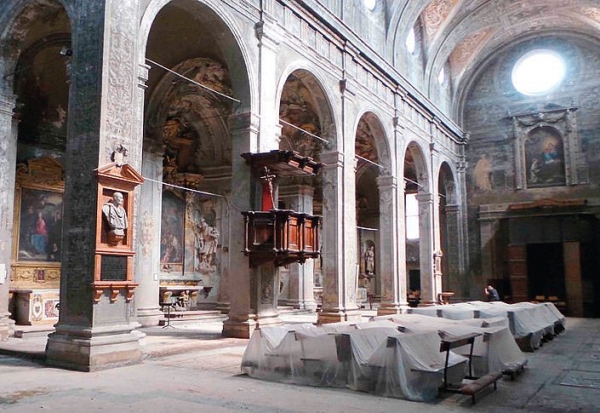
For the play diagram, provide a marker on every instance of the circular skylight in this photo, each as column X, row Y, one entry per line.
column 538, row 72
column 370, row 4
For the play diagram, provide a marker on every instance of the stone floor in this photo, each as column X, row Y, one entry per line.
column 191, row 368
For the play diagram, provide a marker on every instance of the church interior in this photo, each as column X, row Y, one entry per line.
column 237, row 159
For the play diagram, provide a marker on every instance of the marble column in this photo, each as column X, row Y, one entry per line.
column 301, row 276
column 426, row 248
column 393, row 288
column 92, row 335
column 8, row 157
column 148, row 241
column 340, row 272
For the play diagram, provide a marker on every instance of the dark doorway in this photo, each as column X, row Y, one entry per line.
column 546, row 271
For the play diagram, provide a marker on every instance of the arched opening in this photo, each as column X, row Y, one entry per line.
column 197, row 87
column 367, row 211
column 306, row 126
column 34, row 166
column 418, row 223
column 450, row 222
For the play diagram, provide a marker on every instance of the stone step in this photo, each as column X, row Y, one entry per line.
column 193, row 315
column 33, row 331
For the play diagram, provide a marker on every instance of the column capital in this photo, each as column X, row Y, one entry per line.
column 425, row 197
column 332, row 160
column 387, row 182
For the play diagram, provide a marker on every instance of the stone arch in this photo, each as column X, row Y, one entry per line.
column 320, row 98
column 15, row 22
column 235, row 52
column 416, row 161
column 191, row 138
column 34, row 98
column 375, row 213
column 450, row 223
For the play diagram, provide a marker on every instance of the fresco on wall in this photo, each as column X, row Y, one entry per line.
column 296, row 108
column 544, row 158
column 482, row 172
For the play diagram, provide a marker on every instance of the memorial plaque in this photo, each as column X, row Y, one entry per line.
column 113, row 268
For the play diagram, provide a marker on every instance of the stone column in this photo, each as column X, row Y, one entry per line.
column 241, row 291
column 393, row 289
column 301, row 276
column 426, row 248
column 94, row 335
column 340, row 273
column 147, row 250
column 8, row 158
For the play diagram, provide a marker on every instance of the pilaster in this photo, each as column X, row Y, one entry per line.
column 240, row 282
column 340, row 273
column 426, row 249
column 8, row 156
column 147, row 249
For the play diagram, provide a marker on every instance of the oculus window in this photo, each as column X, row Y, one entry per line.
column 370, row 4
column 538, row 72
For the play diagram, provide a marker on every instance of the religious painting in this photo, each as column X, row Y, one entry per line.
column 544, row 158
column 172, row 233
column 40, row 226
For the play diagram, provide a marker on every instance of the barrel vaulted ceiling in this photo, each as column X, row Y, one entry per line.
column 464, row 33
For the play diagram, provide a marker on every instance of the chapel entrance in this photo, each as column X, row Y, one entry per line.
column 546, row 271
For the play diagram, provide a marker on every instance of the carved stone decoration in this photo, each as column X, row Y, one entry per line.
column 548, row 149
column 147, row 235
column 120, row 93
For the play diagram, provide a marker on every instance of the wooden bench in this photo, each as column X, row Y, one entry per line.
column 476, row 386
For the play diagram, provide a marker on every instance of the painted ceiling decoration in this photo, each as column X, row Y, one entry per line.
column 467, row 32
column 191, row 121
column 297, row 108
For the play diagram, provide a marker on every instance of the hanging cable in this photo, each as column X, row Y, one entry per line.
column 369, row 161
column 367, row 228
column 192, row 81
column 184, row 188
column 305, row 131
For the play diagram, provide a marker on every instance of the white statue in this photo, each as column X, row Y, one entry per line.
column 116, row 217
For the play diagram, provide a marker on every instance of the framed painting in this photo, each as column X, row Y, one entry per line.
column 172, row 233
column 39, row 225
column 544, row 158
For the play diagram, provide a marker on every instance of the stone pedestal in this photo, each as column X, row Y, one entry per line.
column 93, row 349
